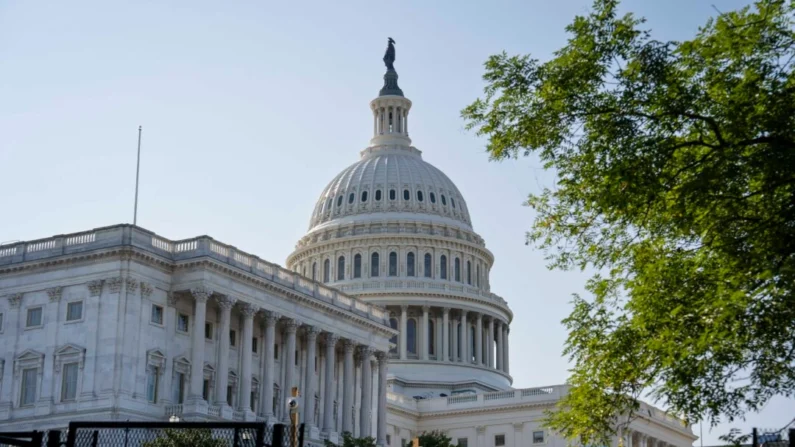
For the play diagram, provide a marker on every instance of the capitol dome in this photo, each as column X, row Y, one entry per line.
column 393, row 230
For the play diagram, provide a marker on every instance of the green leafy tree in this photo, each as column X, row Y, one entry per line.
column 348, row 440
column 676, row 183
column 435, row 439
column 199, row 437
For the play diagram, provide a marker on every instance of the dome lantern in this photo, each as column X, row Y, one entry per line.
column 390, row 108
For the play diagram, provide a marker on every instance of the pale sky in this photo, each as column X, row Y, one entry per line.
column 249, row 108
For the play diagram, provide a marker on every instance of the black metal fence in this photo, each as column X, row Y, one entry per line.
column 160, row 434
column 773, row 438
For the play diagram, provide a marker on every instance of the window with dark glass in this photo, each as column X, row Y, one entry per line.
column 357, row 266
column 339, row 201
column 469, row 273
column 444, row 201
column 419, row 196
column 499, row 440
column 477, row 276
column 328, row 203
column 406, row 194
column 538, row 437
column 364, row 196
column 378, row 195
column 433, row 198
column 374, row 265
column 452, row 202
column 457, row 268
column 392, row 194
column 314, row 271
column 341, row 268
column 351, row 196
column 428, row 265
column 411, row 336
column 393, row 323
column 410, row 264
column 326, row 271
column 431, row 337
column 443, row 267
column 393, row 264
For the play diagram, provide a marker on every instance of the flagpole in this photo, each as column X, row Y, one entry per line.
column 137, row 170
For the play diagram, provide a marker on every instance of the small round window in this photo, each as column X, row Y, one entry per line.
column 378, row 195
column 406, row 194
column 339, row 201
column 352, row 196
column 420, row 198
column 433, row 198
column 444, row 200
column 364, row 196
column 452, row 202
column 392, row 194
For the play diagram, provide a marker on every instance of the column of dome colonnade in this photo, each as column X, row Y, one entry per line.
column 436, row 333
column 238, row 398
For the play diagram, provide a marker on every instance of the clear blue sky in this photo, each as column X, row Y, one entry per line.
column 249, row 108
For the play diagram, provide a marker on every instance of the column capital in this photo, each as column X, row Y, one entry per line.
column 248, row 310
column 201, row 293
column 225, row 302
column 404, row 308
column 382, row 357
column 349, row 345
column 518, row 426
column 271, row 318
column 290, row 325
column 312, row 332
column 479, row 316
column 426, row 309
column 446, row 310
column 55, row 293
column 366, row 351
column 331, row 338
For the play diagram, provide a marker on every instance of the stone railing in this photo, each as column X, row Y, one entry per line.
column 202, row 246
column 419, row 285
column 173, row 410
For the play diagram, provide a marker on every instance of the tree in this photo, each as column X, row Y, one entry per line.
column 349, row 441
column 676, row 184
column 435, row 438
column 199, row 437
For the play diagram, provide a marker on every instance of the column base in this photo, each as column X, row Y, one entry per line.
column 332, row 437
column 313, row 433
column 249, row 416
column 227, row 412
column 195, row 406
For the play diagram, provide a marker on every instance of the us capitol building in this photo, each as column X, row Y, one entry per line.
column 384, row 319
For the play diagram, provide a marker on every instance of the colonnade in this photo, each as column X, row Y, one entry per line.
column 439, row 333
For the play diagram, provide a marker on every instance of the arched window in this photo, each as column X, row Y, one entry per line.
column 411, row 336
column 374, row 265
column 419, row 196
column 444, row 201
column 428, row 265
column 303, row 270
column 477, row 275
column 410, row 264
column 469, row 273
column 433, row 198
column 457, row 268
column 443, row 267
column 393, row 264
column 314, row 271
column 452, row 202
column 406, row 194
column 471, row 352
column 341, row 268
column 378, row 195
column 326, row 271
column 339, row 201
column 392, row 194
column 351, row 196
column 357, row 266
column 431, row 337
column 364, row 196
column 393, row 323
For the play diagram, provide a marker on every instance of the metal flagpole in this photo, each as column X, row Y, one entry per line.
column 137, row 170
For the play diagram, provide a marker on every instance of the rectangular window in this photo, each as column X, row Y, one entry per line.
column 296, row 357
column 182, row 322
column 463, row 442
column 499, row 440
column 232, row 341
column 1, row 322
column 208, row 331
column 29, row 378
column 229, row 395
column 179, row 388
column 152, row 377
column 254, row 345
column 34, row 317
column 388, row 439
column 538, row 437
column 206, row 390
column 74, row 311
column 276, row 351
column 157, row 314
column 69, row 382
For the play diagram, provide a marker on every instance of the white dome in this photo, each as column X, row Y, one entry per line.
column 390, row 182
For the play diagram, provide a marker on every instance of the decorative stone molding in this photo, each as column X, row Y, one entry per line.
column 349, row 345
column 248, row 310
column 518, row 426
column 171, row 299
column 225, row 301
column 146, row 289
column 95, row 287
column 69, row 353
column 55, row 293
column 15, row 300
column 290, row 325
column 132, row 285
column 481, row 429
column 312, row 332
column 156, row 359
column 381, row 356
column 366, row 351
column 28, row 359
column 182, row 365
column 201, row 293
column 209, row 374
column 115, row 284
column 271, row 318
column 331, row 339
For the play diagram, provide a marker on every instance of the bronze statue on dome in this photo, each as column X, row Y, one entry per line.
column 389, row 57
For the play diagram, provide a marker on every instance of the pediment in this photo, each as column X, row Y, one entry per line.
column 209, row 368
column 69, row 349
column 29, row 354
column 155, row 353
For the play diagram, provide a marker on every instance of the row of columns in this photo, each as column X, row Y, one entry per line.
column 290, row 328
column 493, row 329
column 634, row 438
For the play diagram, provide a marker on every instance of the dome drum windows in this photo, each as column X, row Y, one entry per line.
column 378, row 195
column 428, row 265
column 444, row 200
column 457, row 269
column 326, row 271
column 443, row 267
column 374, row 265
column 341, row 268
column 339, row 201
column 420, row 197
column 433, row 197
column 351, row 197
column 392, row 194
column 406, row 195
column 393, row 269
column 410, row 264
column 357, row 266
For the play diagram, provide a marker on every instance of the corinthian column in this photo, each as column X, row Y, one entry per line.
column 367, row 392
column 490, row 343
column 499, row 345
column 423, row 338
column 479, row 340
column 347, row 387
column 506, row 362
column 309, row 381
column 270, row 340
column 200, row 296
column 290, row 327
column 225, row 303
column 328, row 397
column 248, row 310
column 382, row 371
column 404, row 312
column 464, row 338
column 445, row 334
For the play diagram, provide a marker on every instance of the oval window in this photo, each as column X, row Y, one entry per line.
column 351, row 196
column 419, row 196
column 406, row 194
column 452, row 202
column 444, row 201
column 378, row 195
column 433, row 198
column 339, row 201
column 364, row 196
column 392, row 194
